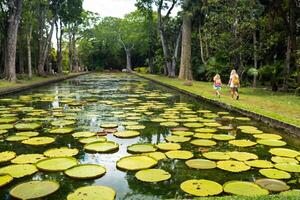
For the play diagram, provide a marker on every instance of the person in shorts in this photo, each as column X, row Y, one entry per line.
column 234, row 84
column 217, row 85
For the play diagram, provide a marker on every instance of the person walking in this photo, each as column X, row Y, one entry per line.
column 234, row 84
column 217, row 85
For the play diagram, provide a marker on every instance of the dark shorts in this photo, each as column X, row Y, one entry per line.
column 235, row 89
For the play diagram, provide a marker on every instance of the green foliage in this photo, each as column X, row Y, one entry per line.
column 142, row 70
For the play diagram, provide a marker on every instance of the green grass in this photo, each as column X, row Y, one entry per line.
column 270, row 197
column 280, row 106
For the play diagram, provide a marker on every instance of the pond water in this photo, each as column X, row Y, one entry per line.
column 96, row 99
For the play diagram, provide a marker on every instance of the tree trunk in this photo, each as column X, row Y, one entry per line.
column 128, row 59
column 44, row 51
column 168, row 63
column 176, row 54
column 254, row 58
column 287, row 64
column 75, row 58
column 201, row 47
column 29, row 36
column 59, row 47
column 186, row 50
column 21, row 58
column 15, row 10
column 70, row 52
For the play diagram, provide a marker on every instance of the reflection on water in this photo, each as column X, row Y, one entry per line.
column 117, row 89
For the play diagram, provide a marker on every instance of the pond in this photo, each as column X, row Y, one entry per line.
column 105, row 103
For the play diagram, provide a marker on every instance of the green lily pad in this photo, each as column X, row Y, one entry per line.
column 101, row 147
column 27, row 126
column 169, row 124
column 288, row 167
column 275, row 174
column 183, row 133
column 5, row 179
column 175, row 138
column 109, row 125
column 19, row 170
column 242, row 156
column 127, row 134
column 135, row 127
column 141, row 148
column 136, row 162
column 244, row 188
column 232, row 166
column 205, row 130
column 61, row 152
column 259, row 163
column 179, row 154
column 28, row 134
column 28, row 159
column 3, row 131
column 223, row 137
column 36, row 141
column 61, row 131
column 6, row 126
column 56, row 164
column 7, row 156
column 243, row 118
column 193, row 125
column 284, row 152
column 15, row 138
column 156, row 155
column 8, row 120
column 201, row 164
column 242, row 143
column 93, row 139
column 292, row 193
column 63, row 122
column 168, row 146
column 203, row 135
column 268, row 136
column 201, row 188
column 252, row 131
column 271, row 142
column 272, row 185
column 41, row 189
column 152, row 175
column 216, row 156
column 83, row 134
column 203, row 143
column 93, row 192
column 85, row 171
column 278, row 159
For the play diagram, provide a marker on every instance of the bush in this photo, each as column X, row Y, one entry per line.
column 142, row 70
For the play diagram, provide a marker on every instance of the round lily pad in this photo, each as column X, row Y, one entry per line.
column 242, row 143
column 56, row 164
column 284, row 152
column 7, row 156
column 251, row 131
column 201, row 188
column 203, row 135
column 206, row 130
column 83, row 134
column 223, row 137
column 63, row 122
column 152, row 175
column 141, row 148
column 28, row 134
column 129, row 123
column 135, row 127
column 36, row 141
column 6, row 126
column 15, row 138
column 201, row 164
column 275, row 174
column 156, row 155
column 136, row 162
column 92, row 139
column 203, row 143
column 61, row 152
column 61, row 131
column 169, row 124
column 41, row 189
column 244, row 188
column 85, row 171
column 175, row 138
column 193, row 125
column 259, row 163
column 3, row 131
column 272, row 185
column 268, row 136
column 288, row 167
column 242, row 156
column 183, row 133
column 109, row 125
column 27, row 126
column 19, row 170
column 292, row 193
column 127, row 134
column 168, row 146
column 5, row 179
column 279, row 159
column 216, row 156
column 271, row 142
column 179, row 154
column 28, row 159
column 101, row 147
column 212, row 124
column 232, row 166
column 93, row 192
column 8, row 120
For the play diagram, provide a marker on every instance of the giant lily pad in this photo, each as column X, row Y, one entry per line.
column 223, row 137
column 204, row 135
column 83, row 134
column 61, row 152
column 56, row 164
column 169, row 124
column 36, row 141
column 63, row 122
column 101, row 147
column 201, row 164
column 92, row 193
column 28, row 158
column 206, row 130
column 204, row 143
column 28, row 134
column 275, row 174
column 92, row 139
column 5, row 179
column 242, row 143
column 152, row 175
column 127, row 134
column 19, row 171
column 193, row 125
column 269, row 136
column 232, row 166
column 179, row 154
column 271, row 142
column 85, row 171
column 175, row 138
column 141, row 148
column 34, row 189
column 251, row 131
column 6, row 126
column 7, row 156
column 135, row 127
column 244, row 188
column 288, row 167
column 183, row 133
column 61, row 131
column 284, row 152
column 168, row 146
column 137, row 162
column 216, row 156
column 201, row 188
column 15, row 138
column 278, row 159
column 242, row 156
column 272, row 185
column 27, row 126
column 259, row 163
column 8, row 120
column 292, row 193
column 109, row 125
column 156, row 155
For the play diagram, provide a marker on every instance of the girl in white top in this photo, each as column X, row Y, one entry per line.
column 234, row 84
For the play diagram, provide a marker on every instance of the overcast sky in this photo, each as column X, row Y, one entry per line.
column 114, row 8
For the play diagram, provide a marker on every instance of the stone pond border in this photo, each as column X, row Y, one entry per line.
column 14, row 89
column 267, row 120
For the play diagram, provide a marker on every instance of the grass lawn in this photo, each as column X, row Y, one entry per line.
column 281, row 106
